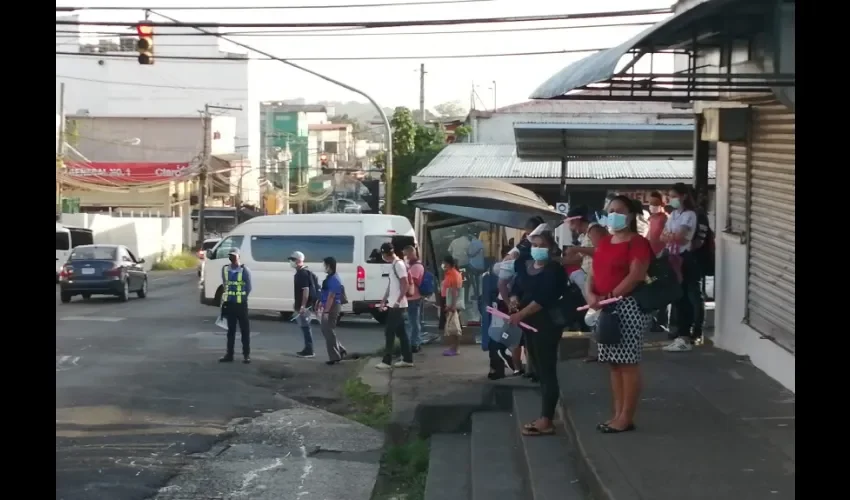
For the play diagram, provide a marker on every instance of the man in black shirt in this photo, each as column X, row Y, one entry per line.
column 305, row 295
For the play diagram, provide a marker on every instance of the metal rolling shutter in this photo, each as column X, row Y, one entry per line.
column 771, row 236
column 737, row 213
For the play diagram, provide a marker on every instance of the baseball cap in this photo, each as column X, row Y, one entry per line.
column 387, row 248
column 581, row 212
column 296, row 256
column 233, row 251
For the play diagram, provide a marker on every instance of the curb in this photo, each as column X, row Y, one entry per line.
column 587, row 470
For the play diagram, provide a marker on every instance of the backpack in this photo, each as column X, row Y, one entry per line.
column 426, row 287
column 315, row 290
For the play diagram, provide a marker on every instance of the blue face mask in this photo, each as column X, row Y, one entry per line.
column 540, row 254
column 675, row 203
column 616, row 222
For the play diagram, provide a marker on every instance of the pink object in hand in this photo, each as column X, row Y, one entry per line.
column 496, row 312
column 601, row 303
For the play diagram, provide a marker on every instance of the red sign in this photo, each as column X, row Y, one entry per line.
column 127, row 173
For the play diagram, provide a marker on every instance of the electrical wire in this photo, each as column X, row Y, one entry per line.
column 357, row 31
column 379, row 24
column 287, row 7
column 355, row 58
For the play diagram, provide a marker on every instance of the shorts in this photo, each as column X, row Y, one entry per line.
column 453, row 328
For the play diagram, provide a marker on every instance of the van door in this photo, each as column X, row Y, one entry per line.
column 377, row 272
column 63, row 248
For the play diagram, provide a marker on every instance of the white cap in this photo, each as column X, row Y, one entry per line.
column 297, row 256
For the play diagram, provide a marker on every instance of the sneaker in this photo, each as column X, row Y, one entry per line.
column 305, row 354
column 246, row 360
column 450, row 352
column 678, row 345
column 402, row 364
column 416, row 349
column 226, row 359
column 383, row 366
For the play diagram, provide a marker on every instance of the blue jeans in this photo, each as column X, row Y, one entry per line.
column 413, row 322
column 304, row 323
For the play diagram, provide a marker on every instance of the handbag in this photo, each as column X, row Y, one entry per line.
column 607, row 329
column 662, row 286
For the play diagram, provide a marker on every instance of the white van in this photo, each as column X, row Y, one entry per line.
column 68, row 238
column 265, row 244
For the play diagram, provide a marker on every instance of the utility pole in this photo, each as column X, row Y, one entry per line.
column 205, row 164
column 494, row 95
column 387, row 127
column 422, row 92
column 472, row 96
column 60, row 148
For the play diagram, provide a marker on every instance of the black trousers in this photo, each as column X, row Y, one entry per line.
column 690, row 308
column 530, row 353
column 237, row 313
column 545, row 343
column 394, row 329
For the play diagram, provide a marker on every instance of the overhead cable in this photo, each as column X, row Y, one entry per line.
column 285, row 7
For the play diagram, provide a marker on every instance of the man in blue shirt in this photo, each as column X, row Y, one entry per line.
column 236, row 279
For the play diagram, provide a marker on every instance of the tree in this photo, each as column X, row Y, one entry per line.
column 462, row 133
column 450, row 109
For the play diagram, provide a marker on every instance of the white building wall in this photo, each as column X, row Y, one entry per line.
column 316, row 118
column 730, row 295
column 102, row 86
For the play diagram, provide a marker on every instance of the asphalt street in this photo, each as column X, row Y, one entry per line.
column 139, row 390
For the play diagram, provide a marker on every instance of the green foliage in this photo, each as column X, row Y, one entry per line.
column 176, row 262
column 404, row 469
column 368, row 408
column 404, row 132
column 462, row 133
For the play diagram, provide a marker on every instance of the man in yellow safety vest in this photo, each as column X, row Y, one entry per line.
column 236, row 279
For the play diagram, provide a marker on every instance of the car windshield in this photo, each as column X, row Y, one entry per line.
column 94, row 253
column 208, row 245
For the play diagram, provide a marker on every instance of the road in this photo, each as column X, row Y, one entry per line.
column 139, row 389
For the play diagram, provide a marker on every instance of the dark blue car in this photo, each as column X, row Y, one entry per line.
column 102, row 270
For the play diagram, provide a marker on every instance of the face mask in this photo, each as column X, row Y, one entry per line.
column 675, row 203
column 654, row 209
column 539, row 254
column 602, row 220
column 327, row 271
column 496, row 268
column 506, row 270
column 443, row 266
column 233, row 260
column 292, row 264
column 616, row 222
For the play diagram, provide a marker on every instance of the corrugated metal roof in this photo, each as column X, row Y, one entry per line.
column 500, row 162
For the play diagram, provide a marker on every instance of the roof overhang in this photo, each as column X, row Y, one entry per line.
column 488, row 200
column 557, row 141
column 551, row 181
column 708, row 25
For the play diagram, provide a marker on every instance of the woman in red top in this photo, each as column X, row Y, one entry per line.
column 620, row 263
column 657, row 220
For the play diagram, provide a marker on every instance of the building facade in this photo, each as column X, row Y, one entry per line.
column 103, row 78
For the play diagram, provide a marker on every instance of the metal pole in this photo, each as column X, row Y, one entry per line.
column 202, row 177
column 494, row 95
column 422, row 91
column 60, row 146
column 237, row 203
column 389, row 132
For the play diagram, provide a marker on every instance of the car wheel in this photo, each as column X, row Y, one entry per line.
column 286, row 315
column 125, row 292
column 143, row 292
column 86, row 296
column 380, row 317
column 65, row 297
column 218, row 294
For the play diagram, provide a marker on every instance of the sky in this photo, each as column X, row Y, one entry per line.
column 394, row 83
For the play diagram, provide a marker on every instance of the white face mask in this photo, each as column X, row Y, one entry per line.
column 443, row 267
column 654, row 209
column 293, row 264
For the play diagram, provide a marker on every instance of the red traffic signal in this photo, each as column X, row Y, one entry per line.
column 145, row 43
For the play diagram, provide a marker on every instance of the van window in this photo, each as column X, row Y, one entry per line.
column 81, row 237
column 209, row 244
column 226, row 245
column 94, row 253
column 372, row 246
column 314, row 248
column 63, row 241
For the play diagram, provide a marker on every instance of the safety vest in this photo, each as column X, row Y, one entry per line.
column 234, row 289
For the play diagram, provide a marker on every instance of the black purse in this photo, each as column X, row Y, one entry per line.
column 662, row 286
column 607, row 329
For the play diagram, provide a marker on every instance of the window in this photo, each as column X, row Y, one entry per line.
column 372, row 246
column 226, row 245
column 210, row 244
column 314, row 248
column 125, row 255
column 63, row 241
column 94, row 253
column 81, row 237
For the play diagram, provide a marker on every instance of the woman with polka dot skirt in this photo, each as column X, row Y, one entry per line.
column 620, row 264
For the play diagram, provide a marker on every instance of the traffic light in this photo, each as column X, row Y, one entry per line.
column 374, row 196
column 323, row 163
column 145, row 43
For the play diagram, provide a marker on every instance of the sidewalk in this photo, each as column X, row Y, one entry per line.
column 710, row 426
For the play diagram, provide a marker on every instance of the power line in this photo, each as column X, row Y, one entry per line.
column 152, row 85
column 380, row 24
column 376, row 58
column 289, row 7
column 361, row 32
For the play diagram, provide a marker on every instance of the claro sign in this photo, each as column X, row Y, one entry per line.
column 127, row 173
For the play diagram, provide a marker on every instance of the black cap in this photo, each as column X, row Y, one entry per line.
column 580, row 211
column 387, row 248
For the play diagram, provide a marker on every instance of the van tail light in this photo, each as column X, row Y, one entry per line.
column 361, row 279
column 115, row 271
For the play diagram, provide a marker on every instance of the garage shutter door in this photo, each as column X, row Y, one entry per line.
column 738, row 171
column 771, row 238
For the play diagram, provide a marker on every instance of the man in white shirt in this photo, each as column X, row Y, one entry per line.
column 395, row 301
column 459, row 250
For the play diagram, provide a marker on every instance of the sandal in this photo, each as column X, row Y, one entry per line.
column 533, row 430
column 606, row 429
column 602, row 425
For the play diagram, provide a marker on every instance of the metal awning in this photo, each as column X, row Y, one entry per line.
column 706, row 24
column 556, row 141
column 488, row 200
